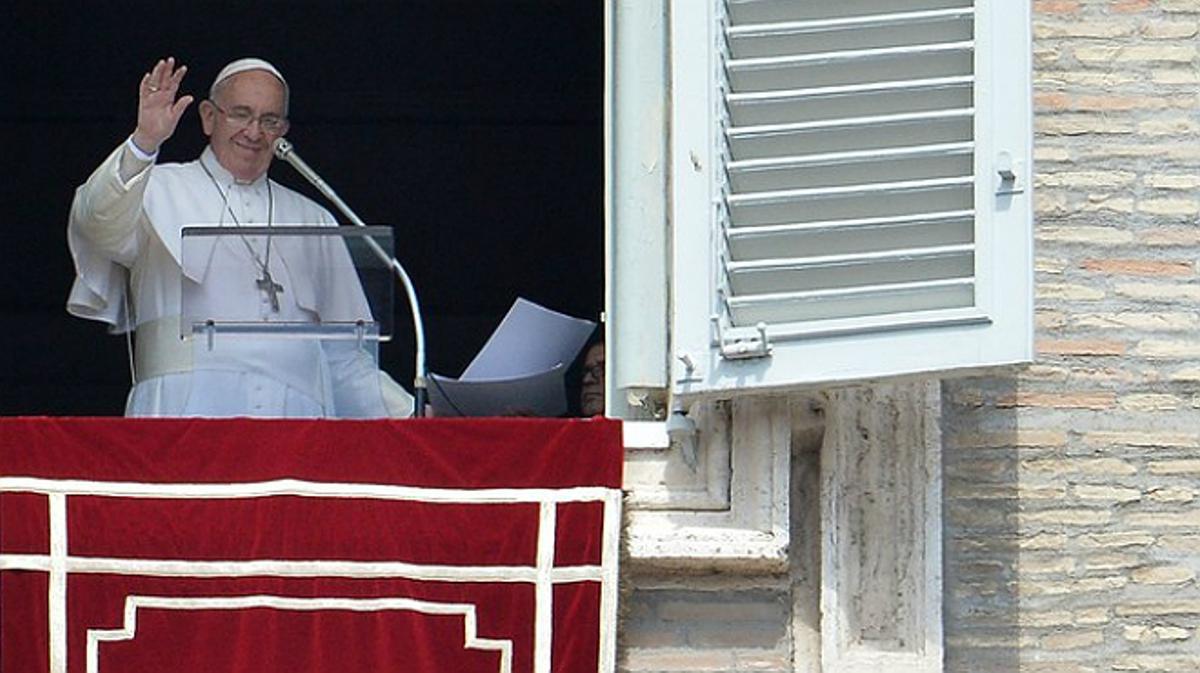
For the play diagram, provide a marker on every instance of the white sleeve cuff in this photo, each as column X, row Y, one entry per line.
column 138, row 152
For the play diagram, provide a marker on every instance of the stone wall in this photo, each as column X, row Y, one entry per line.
column 1072, row 519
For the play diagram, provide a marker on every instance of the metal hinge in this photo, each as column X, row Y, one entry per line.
column 745, row 344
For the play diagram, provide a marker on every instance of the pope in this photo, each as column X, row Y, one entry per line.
column 125, row 237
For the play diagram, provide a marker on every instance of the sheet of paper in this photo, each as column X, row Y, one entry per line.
column 531, row 338
column 538, row 394
column 519, row 371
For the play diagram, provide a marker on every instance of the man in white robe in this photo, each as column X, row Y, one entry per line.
column 125, row 238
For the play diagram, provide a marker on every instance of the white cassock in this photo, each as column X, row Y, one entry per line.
column 128, row 233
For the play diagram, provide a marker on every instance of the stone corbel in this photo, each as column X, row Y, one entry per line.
column 725, row 506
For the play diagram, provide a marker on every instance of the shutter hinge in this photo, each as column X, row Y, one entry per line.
column 744, row 345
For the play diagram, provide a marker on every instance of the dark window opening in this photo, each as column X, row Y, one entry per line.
column 473, row 127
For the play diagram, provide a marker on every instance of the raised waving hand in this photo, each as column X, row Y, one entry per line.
column 158, row 110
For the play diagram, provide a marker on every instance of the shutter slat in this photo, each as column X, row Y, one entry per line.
column 855, row 55
column 921, row 85
column 826, row 261
column 838, row 226
column 852, row 302
column 909, row 130
column 850, row 174
column 858, row 156
column 795, row 106
column 857, row 190
column 771, row 276
column 913, row 65
column 861, row 32
column 851, row 23
column 850, row 236
column 748, row 12
column 830, row 294
column 851, row 206
column 853, row 123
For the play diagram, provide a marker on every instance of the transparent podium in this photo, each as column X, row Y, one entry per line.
column 301, row 307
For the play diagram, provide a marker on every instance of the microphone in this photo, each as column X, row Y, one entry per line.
column 287, row 152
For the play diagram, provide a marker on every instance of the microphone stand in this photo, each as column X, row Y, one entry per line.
column 284, row 150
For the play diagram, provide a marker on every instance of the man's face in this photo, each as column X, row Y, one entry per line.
column 244, row 150
column 591, row 394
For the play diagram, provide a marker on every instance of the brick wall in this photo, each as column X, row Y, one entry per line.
column 1072, row 508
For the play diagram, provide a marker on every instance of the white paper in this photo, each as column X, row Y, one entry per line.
column 539, row 394
column 519, row 371
column 530, row 339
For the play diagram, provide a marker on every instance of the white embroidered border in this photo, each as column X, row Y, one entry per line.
column 543, row 619
column 276, row 568
column 57, row 595
column 133, row 603
column 301, row 488
column 609, row 587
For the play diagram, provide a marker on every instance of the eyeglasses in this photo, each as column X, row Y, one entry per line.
column 241, row 117
column 595, row 372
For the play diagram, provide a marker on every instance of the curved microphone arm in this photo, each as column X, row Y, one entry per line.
column 285, row 151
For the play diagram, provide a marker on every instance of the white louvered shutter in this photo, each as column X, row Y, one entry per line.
column 849, row 189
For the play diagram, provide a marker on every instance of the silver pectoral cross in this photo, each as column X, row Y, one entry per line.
column 267, row 284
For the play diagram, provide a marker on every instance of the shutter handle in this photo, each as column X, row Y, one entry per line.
column 1011, row 174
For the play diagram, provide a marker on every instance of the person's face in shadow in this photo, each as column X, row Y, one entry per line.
column 591, row 394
